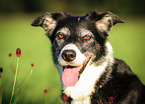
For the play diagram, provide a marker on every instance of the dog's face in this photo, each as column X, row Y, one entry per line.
column 74, row 42
column 77, row 41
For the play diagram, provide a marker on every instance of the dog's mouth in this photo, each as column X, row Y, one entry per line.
column 71, row 74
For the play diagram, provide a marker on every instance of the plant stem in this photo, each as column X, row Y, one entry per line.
column 3, row 71
column 45, row 98
column 23, row 83
column 14, row 81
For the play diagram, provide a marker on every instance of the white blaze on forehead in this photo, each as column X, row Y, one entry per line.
column 79, row 19
column 84, row 32
column 80, row 58
column 64, row 30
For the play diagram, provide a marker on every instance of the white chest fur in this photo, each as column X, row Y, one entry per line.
column 85, row 86
column 80, row 93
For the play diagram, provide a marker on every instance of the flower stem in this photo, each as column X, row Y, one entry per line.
column 14, row 80
column 23, row 83
column 45, row 98
column 3, row 71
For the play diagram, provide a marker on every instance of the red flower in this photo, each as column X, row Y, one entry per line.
column 18, row 52
column 45, row 91
column 32, row 64
column 10, row 54
column 64, row 98
column 110, row 99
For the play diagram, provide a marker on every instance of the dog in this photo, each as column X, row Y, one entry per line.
column 83, row 55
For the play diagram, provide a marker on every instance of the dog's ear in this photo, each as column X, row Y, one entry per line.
column 104, row 20
column 48, row 21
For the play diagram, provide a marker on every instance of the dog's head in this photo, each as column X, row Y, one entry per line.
column 77, row 41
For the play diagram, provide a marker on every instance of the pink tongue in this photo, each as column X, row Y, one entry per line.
column 70, row 76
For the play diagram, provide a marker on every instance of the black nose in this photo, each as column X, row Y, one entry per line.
column 69, row 55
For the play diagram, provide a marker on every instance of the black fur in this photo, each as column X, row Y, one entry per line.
column 122, row 85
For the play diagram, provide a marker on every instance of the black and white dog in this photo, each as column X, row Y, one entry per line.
column 83, row 55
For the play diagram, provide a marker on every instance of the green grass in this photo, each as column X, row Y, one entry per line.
column 35, row 47
column 128, row 44
column 15, row 32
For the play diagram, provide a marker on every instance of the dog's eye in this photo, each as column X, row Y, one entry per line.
column 60, row 36
column 87, row 37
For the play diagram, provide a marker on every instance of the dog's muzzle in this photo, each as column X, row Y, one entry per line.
column 73, row 62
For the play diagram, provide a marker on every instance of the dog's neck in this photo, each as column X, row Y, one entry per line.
column 85, row 86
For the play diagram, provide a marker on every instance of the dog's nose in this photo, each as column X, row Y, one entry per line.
column 69, row 55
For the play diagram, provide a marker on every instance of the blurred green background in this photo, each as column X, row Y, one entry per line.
column 15, row 32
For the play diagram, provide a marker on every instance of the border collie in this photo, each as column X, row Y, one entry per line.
column 83, row 55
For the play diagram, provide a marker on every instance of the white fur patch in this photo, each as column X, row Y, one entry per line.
column 64, row 30
column 80, row 58
column 84, row 32
column 79, row 19
column 86, row 83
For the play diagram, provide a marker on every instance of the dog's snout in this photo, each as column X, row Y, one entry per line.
column 68, row 55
